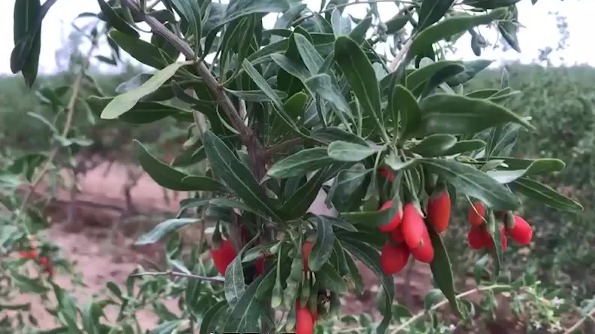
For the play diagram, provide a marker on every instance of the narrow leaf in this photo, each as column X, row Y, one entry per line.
column 161, row 173
column 442, row 270
column 545, row 195
column 300, row 163
column 431, row 11
column 162, row 229
column 323, row 246
column 351, row 152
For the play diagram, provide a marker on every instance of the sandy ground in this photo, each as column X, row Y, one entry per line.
column 103, row 257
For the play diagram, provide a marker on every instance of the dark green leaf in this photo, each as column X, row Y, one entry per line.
column 471, row 69
column 290, row 66
column 336, row 222
column 404, row 105
column 323, row 85
column 434, row 145
column 140, row 50
column 358, row 34
column 474, row 183
column 162, row 229
column 457, row 114
column 431, row 11
column 396, row 23
column 300, row 201
column 190, row 11
column 371, row 219
column 241, row 8
column 545, row 195
column 235, row 285
column 255, row 95
column 329, row 277
column 301, row 163
column 359, row 72
column 466, row 146
column 308, row 53
column 540, row 166
column 332, row 133
column 509, row 30
column 203, row 183
column 442, row 270
column 489, row 4
column 417, row 78
column 533, row 166
column 211, row 316
column 323, row 246
column 351, row 152
column 249, row 309
column 115, row 20
column 349, row 188
column 229, row 168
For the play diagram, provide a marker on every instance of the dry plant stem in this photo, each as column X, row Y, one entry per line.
column 579, row 323
column 397, row 60
column 419, row 315
column 216, row 280
column 76, row 86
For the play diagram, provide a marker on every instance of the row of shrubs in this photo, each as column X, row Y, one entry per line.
column 558, row 99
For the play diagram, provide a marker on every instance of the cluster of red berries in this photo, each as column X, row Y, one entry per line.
column 304, row 317
column 43, row 261
column 224, row 253
column 514, row 227
column 408, row 232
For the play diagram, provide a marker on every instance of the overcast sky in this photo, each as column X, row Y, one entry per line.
column 540, row 31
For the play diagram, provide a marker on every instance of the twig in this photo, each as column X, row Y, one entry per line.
column 70, row 107
column 416, row 317
column 217, row 280
column 579, row 323
column 281, row 147
column 397, row 60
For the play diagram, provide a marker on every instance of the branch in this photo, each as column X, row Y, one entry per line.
column 397, row 60
column 281, row 147
column 222, row 99
column 216, row 280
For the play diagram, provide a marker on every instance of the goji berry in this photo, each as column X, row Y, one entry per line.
column 439, row 211
column 475, row 238
column 520, row 231
column 413, row 226
column 28, row 254
column 396, row 235
column 304, row 320
column 306, row 249
column 476, row 214
column 393, row 223
column 393, row 258
column 223, row 256
column 425, row 252
column 386, row 173
column 489, row 241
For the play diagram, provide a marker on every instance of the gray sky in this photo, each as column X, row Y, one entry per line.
column 540, row 31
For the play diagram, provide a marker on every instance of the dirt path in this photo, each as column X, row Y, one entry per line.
column 102, row 259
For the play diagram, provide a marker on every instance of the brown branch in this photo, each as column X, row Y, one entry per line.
column 281, row 147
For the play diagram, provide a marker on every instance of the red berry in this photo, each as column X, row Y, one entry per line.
column 490, row 243
column 223, row 256
column 396, row 235
column 413, row 226
column 439, row 211
column 386, row 173
column 306, row 249
column 476, row 214
column 304, row 320
column 391, row 225
column 28, row 254
column 259, row 266
column 520, row 231
column 393, row 258
column 425, row 252
column 475, row 238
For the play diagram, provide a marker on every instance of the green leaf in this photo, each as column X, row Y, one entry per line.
column 465, row 146
column 332, row 133
column 370, row 257
column 247, row 7
column 211, row 316
column 358, row 34
column 141, row 112
column 351, row 152
column 329, row 277
column 301, row 163
column 296, row 105
column 417, row 78
column 396, row 23
column 434, row 145
column 203, row 183
column 471, row 69
column 249, row 309
column 405, row 105
column 457, row 114
column 533, row 166
column 334, row 221
column 545, row 195
column 447, row 28
column 431, row 11
column 341, row 25
column 235, row 285
column 489, row 4
column 162, row 229
column 115, row 20
column 442, row 270
column 140, row 50
column 323, row 246
column 509, row 30
column 255, row 95
column 540, row 166
column 372, row 219
column 308, row 53
column 239, row 178
column 474, row 183
column 300, row 201
column 349, row 188
column 359, row 72
column 190, row 11
column 323, row 85
column 161, row 173
column 123, row 103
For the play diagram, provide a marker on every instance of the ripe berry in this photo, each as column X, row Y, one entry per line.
column 413, row 226
column 396, row 235
column 393, row 258
column 28, row 254
column 439, row 211
column 520, row 231
column 490, row 243
column 306, row 249
column 260, row 266
column 304, row 320
column 223, row 256
column 386, row 173
column 475, row 238
column 393, row 223
column 425, row 252
column 476, row 214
